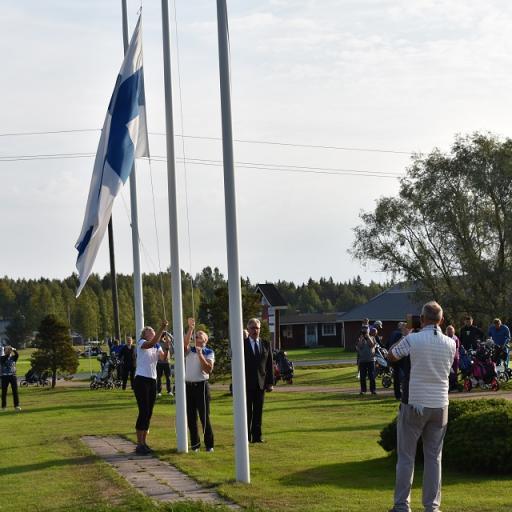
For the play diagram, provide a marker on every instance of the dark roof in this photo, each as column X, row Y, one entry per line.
column 393, row 304
column 310, row 318
column 271, row 293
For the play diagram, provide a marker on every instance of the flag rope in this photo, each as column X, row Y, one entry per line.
column 184, row 160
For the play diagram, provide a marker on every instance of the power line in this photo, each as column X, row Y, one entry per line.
column 217, row 163
column 242, row 141
column 21, row 134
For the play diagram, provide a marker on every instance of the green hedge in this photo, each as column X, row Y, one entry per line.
column 478, row 439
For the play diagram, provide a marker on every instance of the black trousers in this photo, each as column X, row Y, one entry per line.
column 145, row 393
column 397, row 381
column 127, row 371
column 13, row 381
column 367, row 370
column 255, row 399
column 163, row 369
column 198, row 402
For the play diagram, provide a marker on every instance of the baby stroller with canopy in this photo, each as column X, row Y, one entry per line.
column 382, row 367
column 283, row 367
column 105, row 377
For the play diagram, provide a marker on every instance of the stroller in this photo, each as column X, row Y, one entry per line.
column 283, row 367
column 483, row 369
column 382, row 367
column 500, row 357
column 105, row 378
column 35, row 378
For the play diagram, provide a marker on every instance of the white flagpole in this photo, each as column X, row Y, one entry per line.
column 177, row 308
column 235, row 293
column 137, row 276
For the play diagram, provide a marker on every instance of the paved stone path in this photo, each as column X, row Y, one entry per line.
column 151, row 476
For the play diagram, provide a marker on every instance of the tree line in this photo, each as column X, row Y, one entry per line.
column 26, row 302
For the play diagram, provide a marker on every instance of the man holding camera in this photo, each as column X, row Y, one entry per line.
column 425, row 414
column 8, row 372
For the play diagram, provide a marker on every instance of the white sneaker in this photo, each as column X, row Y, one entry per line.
column 195, row 450
column 18, row 408
column 209, row 450
column 159, row 395
column 170, row 393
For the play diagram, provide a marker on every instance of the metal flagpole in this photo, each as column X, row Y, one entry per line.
column 177, row 309
column 113, row 283
column 235, row 293
column 137, row 276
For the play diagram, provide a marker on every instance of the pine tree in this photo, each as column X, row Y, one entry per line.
column 54, row 349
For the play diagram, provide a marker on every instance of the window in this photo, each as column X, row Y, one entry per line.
column 287, row 331
column 328, row 329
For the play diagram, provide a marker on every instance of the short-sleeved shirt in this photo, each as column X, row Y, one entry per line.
column 193, row 370
column 432, row 356
column 147, row 359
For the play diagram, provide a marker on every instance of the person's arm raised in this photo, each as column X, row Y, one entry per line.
column 188, row 336
column 156, row 338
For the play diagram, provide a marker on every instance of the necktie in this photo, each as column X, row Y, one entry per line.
column 256, row 350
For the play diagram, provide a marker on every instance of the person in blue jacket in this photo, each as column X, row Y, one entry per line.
column 500, row 334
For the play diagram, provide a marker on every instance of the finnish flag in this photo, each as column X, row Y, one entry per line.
column 124, row 137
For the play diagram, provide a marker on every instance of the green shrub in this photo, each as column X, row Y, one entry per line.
column 479, row 436
column 388, row 436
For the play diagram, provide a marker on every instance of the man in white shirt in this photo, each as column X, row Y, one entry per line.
column 199, row 361
column 426, row 413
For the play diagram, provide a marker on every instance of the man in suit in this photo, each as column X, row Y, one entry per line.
column 258, row 377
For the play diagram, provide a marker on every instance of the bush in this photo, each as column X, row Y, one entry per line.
column 478, row 439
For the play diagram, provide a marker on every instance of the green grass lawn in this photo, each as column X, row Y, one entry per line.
column 319, row 354
column 342, row 377
column 321, row 455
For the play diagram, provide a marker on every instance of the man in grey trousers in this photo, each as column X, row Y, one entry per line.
column 425, row 411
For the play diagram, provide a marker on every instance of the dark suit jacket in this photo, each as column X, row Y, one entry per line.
column 258, row 372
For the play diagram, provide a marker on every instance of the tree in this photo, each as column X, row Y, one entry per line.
column 450, row 228
column 17, row 331
column 54, row 349
column 7, row 299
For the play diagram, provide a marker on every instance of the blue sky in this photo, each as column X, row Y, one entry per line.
column 400, row 75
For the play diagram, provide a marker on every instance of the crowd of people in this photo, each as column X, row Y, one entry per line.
column 152, row 352
column 469, row 338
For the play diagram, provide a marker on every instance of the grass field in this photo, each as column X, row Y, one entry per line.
column 321, row 455
column 319, row 354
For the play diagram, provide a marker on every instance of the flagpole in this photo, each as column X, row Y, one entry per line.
column 113, row 283
column 235, row 293
column 177, row 308
column 137, row 276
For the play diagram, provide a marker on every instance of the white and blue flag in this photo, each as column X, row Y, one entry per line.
column 124, row 137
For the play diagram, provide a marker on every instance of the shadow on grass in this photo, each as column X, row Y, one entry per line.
column 377, row 474
column 78, row 407
column 352, row 428
column 27, row 468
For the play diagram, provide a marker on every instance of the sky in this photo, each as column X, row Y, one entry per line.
column 398, row 76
